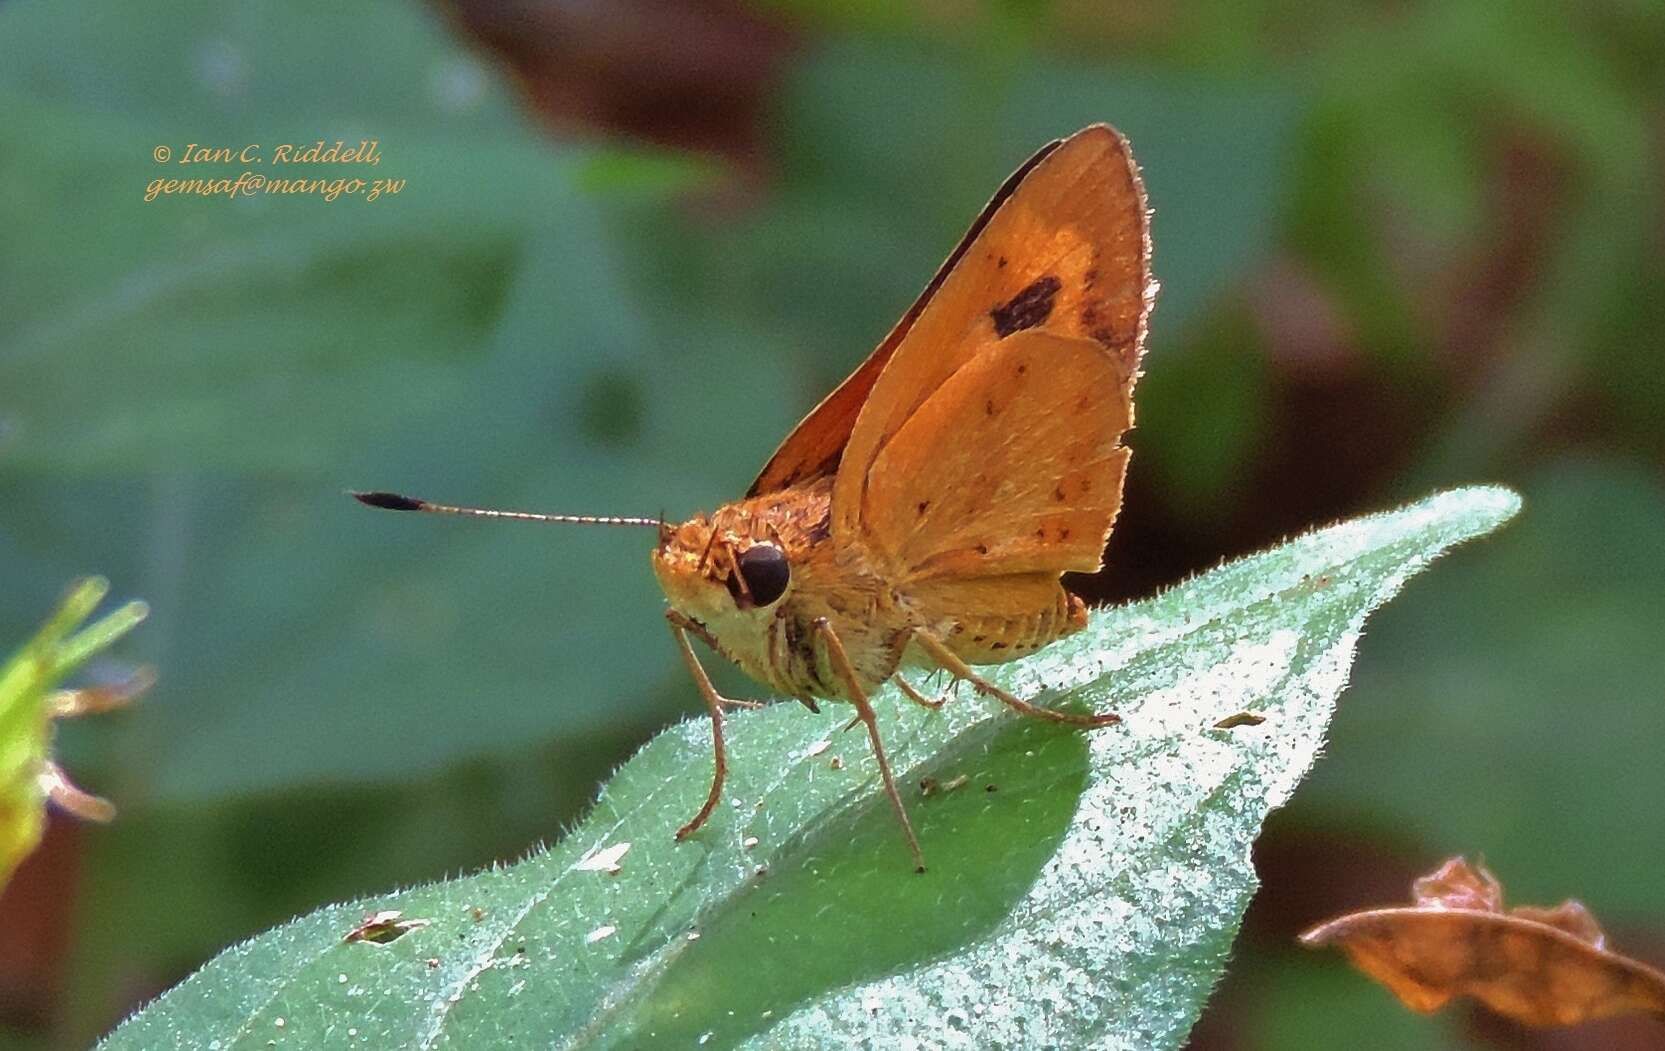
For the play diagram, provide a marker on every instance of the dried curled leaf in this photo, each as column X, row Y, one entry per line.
column 1543, row 967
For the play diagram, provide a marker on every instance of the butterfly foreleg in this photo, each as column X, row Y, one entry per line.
column 846, row 672
column 946, row 658
column 715, row 703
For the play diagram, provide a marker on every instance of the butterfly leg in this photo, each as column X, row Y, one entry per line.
column 947, row 658
column 918, row 698
column 864, row 712
column 715, row 702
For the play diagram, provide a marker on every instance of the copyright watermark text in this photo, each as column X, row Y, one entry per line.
column 245, row 179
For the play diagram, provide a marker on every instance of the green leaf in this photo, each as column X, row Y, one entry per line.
column 27, row 680
column 1083, row 887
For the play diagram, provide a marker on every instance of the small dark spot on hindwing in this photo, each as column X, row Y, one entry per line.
column 1028, row 308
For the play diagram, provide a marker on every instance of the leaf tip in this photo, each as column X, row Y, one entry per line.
column 1489, row 505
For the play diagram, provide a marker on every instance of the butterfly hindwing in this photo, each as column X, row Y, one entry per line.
column 1013, row 465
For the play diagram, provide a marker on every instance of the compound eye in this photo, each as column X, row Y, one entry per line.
column 766, row 572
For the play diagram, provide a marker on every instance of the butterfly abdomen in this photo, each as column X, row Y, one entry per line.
column 992, row 638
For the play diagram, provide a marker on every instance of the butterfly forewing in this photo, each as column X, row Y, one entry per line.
column 1067, row 253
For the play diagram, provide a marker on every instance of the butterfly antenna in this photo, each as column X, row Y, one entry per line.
column 396, row 502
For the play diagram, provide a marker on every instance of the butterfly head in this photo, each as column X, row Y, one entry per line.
column 717, row 572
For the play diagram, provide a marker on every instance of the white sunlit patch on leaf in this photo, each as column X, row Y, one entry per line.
column 605, row 860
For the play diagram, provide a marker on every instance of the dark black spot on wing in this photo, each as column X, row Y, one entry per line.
column 1028, row 308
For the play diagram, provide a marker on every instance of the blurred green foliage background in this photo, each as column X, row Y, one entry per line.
column 1402, row 246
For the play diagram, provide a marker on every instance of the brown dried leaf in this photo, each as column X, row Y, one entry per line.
column 1543, row 967
column 1458, row 885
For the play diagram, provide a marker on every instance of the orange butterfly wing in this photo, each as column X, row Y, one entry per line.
column 815, row 446
column 1001, row 409
column 1013, row 465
